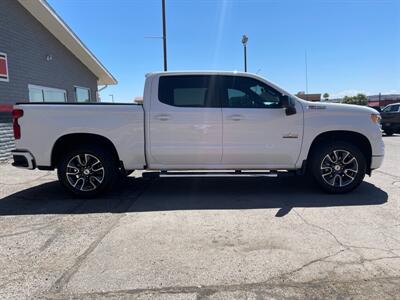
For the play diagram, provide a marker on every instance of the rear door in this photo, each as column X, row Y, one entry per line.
column 257, row 133
column 185, row 122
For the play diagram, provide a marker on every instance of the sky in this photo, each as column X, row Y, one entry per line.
column 352, row 46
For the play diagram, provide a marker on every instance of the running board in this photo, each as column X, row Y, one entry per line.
column 165, row 174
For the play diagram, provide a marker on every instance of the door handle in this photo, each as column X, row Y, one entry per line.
column 235, row 117
column 162, row 117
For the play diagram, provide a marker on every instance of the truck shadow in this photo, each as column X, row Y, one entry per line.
column 166, row 194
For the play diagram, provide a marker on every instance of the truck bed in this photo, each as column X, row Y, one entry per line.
column 122, row 124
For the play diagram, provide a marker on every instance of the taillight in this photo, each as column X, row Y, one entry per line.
column 16, row 114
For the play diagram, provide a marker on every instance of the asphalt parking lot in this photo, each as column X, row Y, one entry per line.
column 197, row 238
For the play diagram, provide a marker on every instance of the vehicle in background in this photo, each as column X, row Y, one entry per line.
column 200, row 121
column 391, row 119
column 377, row 108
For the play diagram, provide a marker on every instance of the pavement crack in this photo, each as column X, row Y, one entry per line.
column 61, row 282
column 26, row 231
column 309, row 264
column 321, row 228
column 387, row 174
column 50, row 240
column 346, row 246
column 65, row 278
column 206, row 291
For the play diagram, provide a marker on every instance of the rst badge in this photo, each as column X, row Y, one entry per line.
column 3, row 67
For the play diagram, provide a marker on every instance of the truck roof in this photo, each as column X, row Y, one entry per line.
column 203, row 72
column 213, row 72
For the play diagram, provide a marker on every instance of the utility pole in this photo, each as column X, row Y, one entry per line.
column 164, row 37
column 305, row 58
column 244, row 42
column 379, row 100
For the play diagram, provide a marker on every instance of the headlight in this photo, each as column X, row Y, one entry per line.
column 375, row 118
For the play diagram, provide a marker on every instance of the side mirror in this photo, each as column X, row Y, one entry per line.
column 288, row 104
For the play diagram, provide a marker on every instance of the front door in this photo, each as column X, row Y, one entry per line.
column 257, row 133
column 185, row 123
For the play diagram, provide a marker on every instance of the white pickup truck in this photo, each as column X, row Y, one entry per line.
column 231, row 121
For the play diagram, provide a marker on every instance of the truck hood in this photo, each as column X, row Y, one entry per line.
column 339, row 108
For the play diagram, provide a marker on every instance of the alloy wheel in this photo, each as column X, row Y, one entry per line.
column 85, row 172
column 339, row 168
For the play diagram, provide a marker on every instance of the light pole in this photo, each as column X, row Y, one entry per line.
column 164, row 35
column 112, row 97
column 244, row 42
column 306, row 63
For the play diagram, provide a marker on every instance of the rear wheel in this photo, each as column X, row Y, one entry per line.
column 339, row 167
column 87, row 171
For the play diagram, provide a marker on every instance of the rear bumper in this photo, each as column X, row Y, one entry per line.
column 376, row 161
column 23, row 159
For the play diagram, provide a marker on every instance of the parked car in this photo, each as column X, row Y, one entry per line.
column 377, row 108
column 391, row 119
column 200, row 121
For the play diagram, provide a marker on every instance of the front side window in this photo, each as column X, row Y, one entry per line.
column 187, row 91
column 244, row 92
column 46, row 94
column 82, row 94
column 392, row 108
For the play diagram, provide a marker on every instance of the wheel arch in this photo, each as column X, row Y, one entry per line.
column 352, row 137
column 70, row 141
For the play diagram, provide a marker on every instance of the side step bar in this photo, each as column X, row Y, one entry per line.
column 165, row 174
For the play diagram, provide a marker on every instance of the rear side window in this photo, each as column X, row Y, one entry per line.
column 188, row 91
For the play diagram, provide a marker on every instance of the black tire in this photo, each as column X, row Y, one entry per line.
column 389, row 132
column 332, row 169
column 87, row 180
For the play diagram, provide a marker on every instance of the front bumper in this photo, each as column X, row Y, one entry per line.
column 23, row 159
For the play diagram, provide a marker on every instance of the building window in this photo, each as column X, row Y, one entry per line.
column 82, row 94
column 46, row 94
column 3, row 67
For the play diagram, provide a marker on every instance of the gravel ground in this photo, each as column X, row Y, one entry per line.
column 198, row 238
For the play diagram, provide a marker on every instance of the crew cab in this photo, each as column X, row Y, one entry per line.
column 391, row 119
column 200, row 121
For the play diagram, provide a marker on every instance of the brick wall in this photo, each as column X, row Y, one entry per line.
column 6, row 136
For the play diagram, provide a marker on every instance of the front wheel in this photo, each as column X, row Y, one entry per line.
column 87, row 171
column 338, row 168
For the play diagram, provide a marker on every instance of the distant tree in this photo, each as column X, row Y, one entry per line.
column 325, row 96
column 359, row 99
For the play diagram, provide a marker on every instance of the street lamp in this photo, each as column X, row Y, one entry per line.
column 244, row 42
